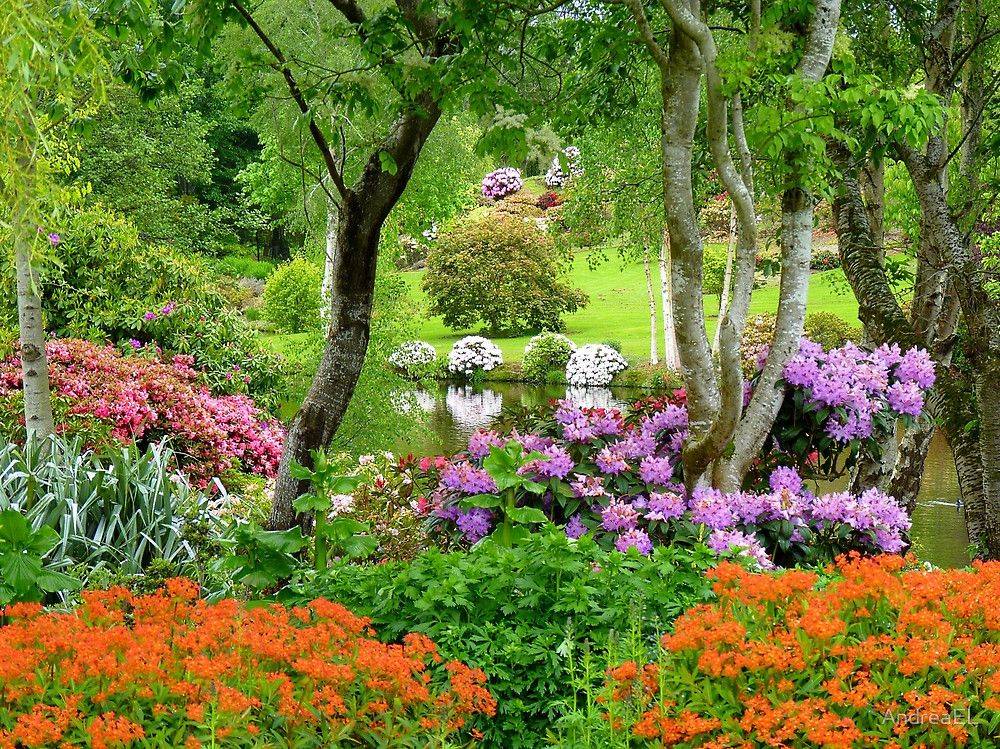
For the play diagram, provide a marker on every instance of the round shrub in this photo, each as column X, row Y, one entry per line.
column 502, row 182
column 594, row 365
column 546, row 352
column 501, row 272
column 414, row 358
column 714, row 269
column 822, row 259
column 830, row 330
column 473, row 354
column 292, row 297
column 171, row 670
column 111, row 399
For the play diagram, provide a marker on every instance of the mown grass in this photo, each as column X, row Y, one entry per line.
column 619, row 309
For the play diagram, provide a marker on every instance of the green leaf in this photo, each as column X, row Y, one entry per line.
column 287, row 542
column 481, row 500
column 387, row 163
column 527, row 515
column 360, row 547
column 310, row 503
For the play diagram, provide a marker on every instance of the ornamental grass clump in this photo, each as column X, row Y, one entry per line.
column 595, row 365
column 883, row 652
column 172, row 670
column 110, row 399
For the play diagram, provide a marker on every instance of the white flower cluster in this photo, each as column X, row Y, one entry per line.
column 502, row 182
column 555, row 176
column 412, row 355
column 594, row 365
column 474, row 352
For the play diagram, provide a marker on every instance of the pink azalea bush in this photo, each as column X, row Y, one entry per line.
column 110, row 397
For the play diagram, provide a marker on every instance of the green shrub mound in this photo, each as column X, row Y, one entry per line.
column 523, row 613
column 292, row 297
column 546, row 352
column 500, row 272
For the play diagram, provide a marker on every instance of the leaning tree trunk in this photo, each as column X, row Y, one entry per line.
column 364, row 209
column 651, row 297
column 38, row 419
column 727, row 279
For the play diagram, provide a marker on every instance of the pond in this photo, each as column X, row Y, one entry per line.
column 453, row 412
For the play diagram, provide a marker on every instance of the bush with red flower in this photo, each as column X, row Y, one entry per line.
column 881, row 652
column 171, row 670
column 113, row 398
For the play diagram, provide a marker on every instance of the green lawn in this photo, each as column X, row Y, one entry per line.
column 619, row 309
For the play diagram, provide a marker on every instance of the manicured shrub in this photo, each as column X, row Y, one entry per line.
column 594, row 365
column 473, row 354
column 830, row 330
column 523, row 614
column 501, row 272
column 502, row 182
column 291, row 297
column 546, row 352
column 171, row 670
column 884, row 654
column 110, row 399
column 414, row 359
column 714, row 268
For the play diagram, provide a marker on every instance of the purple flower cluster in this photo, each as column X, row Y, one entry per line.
column 860, row 384
column 581, row 424
column 467, row 478
column 740, row 544
column 502, row 182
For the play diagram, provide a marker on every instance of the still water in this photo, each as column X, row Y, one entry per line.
column 453, row 412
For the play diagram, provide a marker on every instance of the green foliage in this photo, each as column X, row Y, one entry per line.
column 501, row 272
column 830, row 330
column 331, row 495
column 242, row 266
column 261, row 559
column 522, row 613
column 546, row 352
column 714, row 269
column 23, row 573
column 292, row 297
column 121, row 512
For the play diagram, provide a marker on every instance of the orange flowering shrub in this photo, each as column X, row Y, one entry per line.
column 882, row 653
column 172, row 670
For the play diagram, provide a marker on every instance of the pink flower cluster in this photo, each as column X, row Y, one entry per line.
column 142, row 400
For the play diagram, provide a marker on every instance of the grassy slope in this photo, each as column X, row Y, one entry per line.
column 619, row 309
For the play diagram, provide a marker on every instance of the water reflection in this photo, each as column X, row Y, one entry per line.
column 453, row 412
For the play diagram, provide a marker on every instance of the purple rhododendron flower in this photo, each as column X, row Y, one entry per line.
column 655, row 470
column 722, row 542
column 634, row 539
column 619, row 516
column 575, row 528
column 785, row 478
column 474, row 523
column 611, row 460
column 665, row 506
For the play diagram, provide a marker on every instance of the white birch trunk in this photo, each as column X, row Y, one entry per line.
column 654, row 357
column 329, row 259
column 670, row 356
column 727, row 279
column 38, row 419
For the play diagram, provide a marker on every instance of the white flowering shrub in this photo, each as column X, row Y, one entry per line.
column 473, row 353
column 594, row 365
column 502, row 182
column 545, row 352
column 413, row 358
column 556, row 176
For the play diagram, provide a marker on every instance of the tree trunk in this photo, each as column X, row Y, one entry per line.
column 364, row 209
column 329, row 258
column 38, row 419
column 727, row 279
column 670, row 356
column 651, row 296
